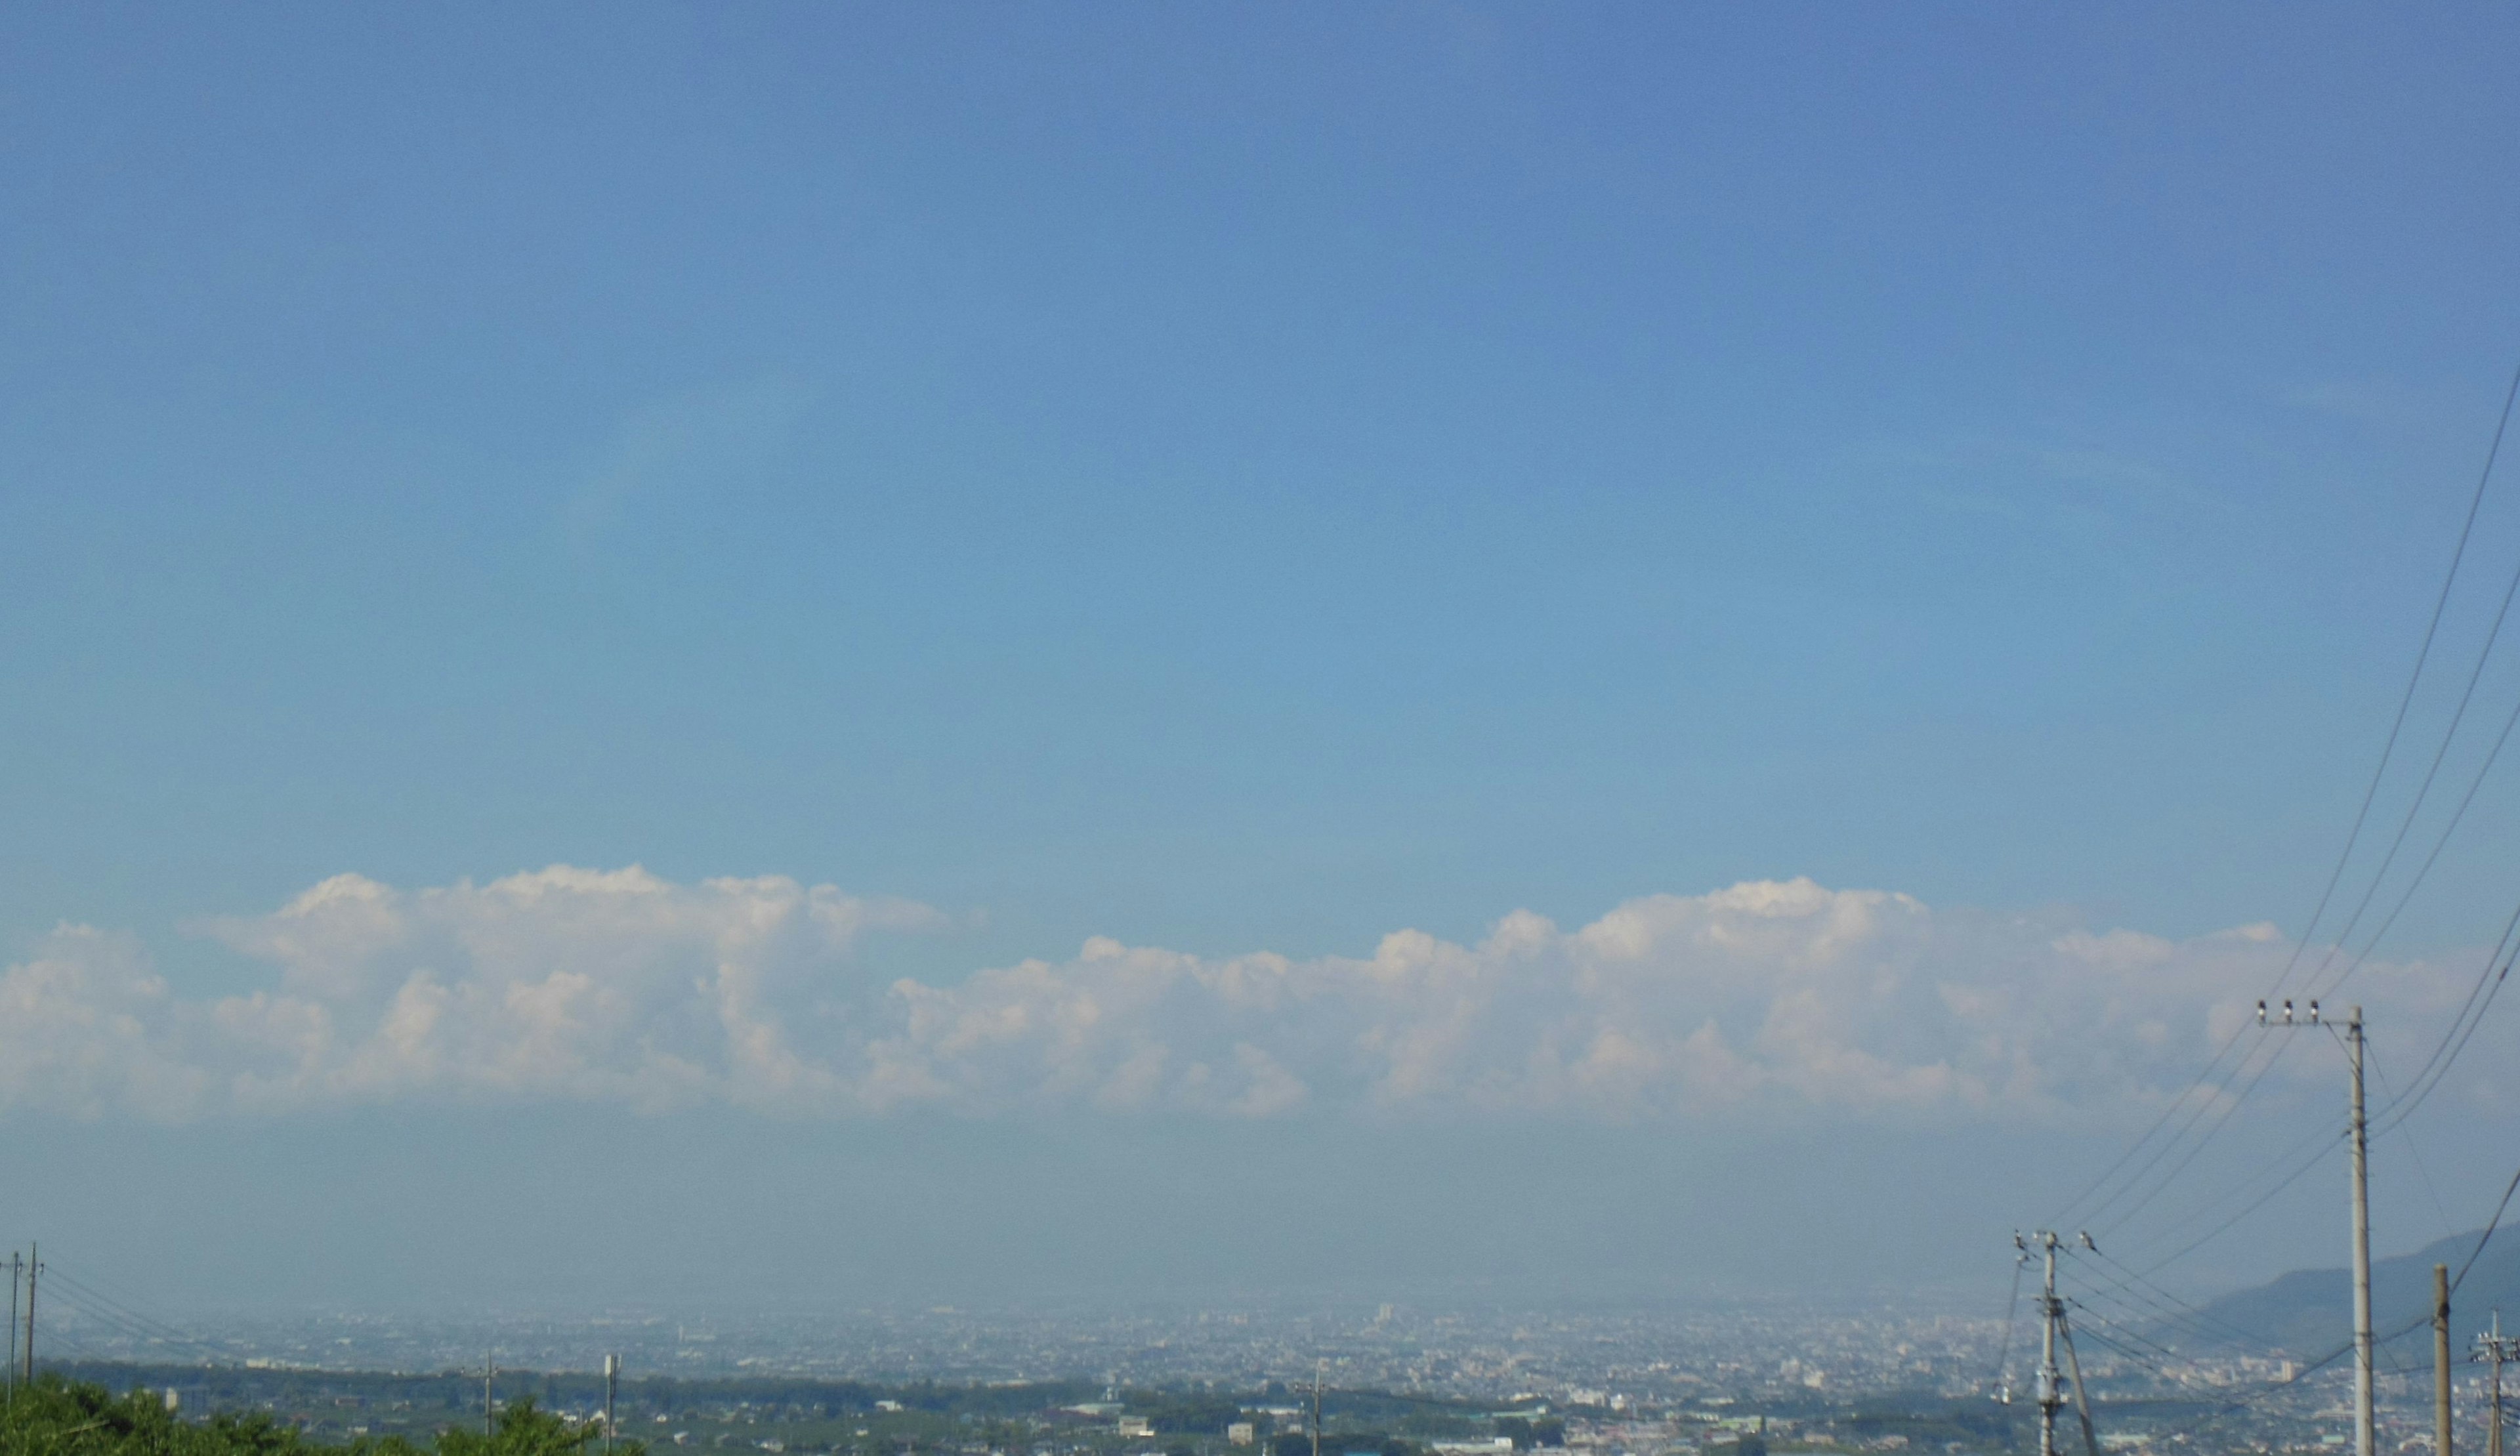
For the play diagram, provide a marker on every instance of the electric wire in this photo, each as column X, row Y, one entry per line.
column 111, row 1324
column 2011, row 1309
column 2126, row 1351
column 141, row 1326
column 2128, row 1276
column 2353, row 837
column 2414, row 807
column 2136, row 1309
column 2423, row 1174
column 2204, row 1139
column 107, row 1308
column 2195, row 1112
column 2061, row 1218
column 2260, row 1201
column 2471, row 1015
column 2234, row 1407
column 2120, row 1337
column 2487, row 1236
column 2405, row 699
column 2441, row 841
column 2230, row 1105
column 2138, row 1305
column 2129, row 1325
column 2214, row 1203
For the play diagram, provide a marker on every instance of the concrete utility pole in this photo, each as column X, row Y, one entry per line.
column 2051, row 1394
column 2440, row 1360
column 2494, row 1349
column 1317, row 1410
column 2364, row 1435
column 611, row 1388
column 489, row 1371
column 2050, row 1386
column 9, row 1373
column 2365, row 1439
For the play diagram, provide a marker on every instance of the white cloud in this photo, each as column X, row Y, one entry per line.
column 620, row 987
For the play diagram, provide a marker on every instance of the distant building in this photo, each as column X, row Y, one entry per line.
column 1136, row 1426
column 1242, row 1433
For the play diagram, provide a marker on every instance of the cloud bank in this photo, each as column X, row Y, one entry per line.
column 620, row 987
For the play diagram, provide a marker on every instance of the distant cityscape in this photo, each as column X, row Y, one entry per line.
column 1732, row 1378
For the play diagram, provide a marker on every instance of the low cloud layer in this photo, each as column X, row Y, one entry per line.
column 620, row 987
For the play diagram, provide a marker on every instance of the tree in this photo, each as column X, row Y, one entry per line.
column 523, row 1430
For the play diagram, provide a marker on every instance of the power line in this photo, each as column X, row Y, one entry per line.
column 2214, row 1203
column 2130, row 1276
column 124, row 1326
column 101, row 1306
column 2126, row 1330
column 2436, row 1068
column 2459, row 715
column 2422, row 1173
column 2111, row 1335
column 2167, row 1113
column 2233, row 1407
column 2262, row 1200
column 2441, row 841
column 2407, row 699
column 2228, row 1107
column 2011, row 1309
column 2487, row 1237
column 2345, row 856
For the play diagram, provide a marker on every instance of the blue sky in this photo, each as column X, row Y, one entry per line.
column 1235, row 479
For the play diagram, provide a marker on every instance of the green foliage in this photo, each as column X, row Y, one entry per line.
column 53, row 1417
column 522, row 1430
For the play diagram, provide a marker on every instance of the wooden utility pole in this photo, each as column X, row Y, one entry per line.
column 2440, row 1360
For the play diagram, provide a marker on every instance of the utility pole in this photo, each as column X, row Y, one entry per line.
column 34, row 1266
column 2364, row 1435
column 2493, row 1351
column 611, row 1388
column 489, row 1371
column 2440, row 1360
column 2050, row 1396
column 9, row 1373
column 2050, row 1386
column 1316, row 1409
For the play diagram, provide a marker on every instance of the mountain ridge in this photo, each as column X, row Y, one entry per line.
column 2307, row 1314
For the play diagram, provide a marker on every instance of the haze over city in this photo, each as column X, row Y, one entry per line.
column 1552, row 707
